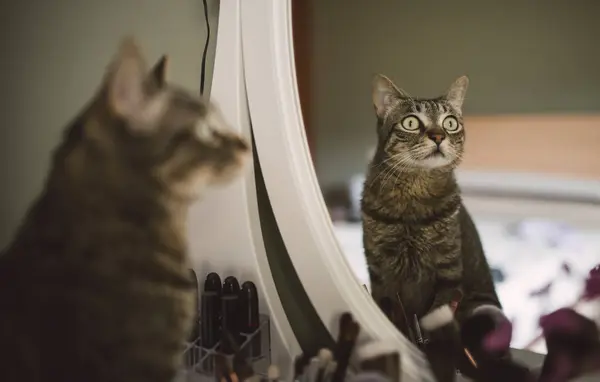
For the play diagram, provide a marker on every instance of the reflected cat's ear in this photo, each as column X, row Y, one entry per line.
column 384, row 94
column 457, row 91
column 126, row 93
column 125, row 79
column 158, row 73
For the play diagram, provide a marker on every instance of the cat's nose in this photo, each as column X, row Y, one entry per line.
column 436, row 137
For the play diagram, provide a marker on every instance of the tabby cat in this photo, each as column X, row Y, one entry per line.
column 421, row 245
column 96, row 286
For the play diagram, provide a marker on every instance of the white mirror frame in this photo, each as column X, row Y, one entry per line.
column 224, row 227
column 292, row 186
column 254, row 82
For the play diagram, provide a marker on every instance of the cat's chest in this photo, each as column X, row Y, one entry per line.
column 421, row 241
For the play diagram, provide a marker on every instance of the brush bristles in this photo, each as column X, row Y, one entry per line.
column 300, row 364
column 491, row 310
column 325, row 356
column 375, row 349
column 273, row 373
column 437, row 318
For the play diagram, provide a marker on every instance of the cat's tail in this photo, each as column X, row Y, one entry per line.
column 442, row 345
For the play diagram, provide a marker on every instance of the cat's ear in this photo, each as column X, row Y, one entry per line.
column 457, row 91
column 384, row 94
column 126, row 93
column 125, row 80
column 158, row 73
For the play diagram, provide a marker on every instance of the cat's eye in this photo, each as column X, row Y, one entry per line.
column 411, row 123
column 450, row 124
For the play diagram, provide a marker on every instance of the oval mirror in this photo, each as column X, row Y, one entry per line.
column 314, row 111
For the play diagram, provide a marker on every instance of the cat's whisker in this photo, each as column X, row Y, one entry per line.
column 397, row 168
column 392, row 158
column 380, row 174
column 389, row 172
column 404, row 166
column 412, row 233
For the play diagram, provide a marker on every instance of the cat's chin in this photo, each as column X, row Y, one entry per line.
column 227, row 177
column 231, row 172
column 193, row 189
column 434, row 161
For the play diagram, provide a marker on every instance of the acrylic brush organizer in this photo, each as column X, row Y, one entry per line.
column 254, row 348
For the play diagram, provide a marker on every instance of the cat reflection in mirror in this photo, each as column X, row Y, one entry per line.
column 421, row 245
column 96, row 286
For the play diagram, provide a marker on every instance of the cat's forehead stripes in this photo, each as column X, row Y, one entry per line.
column 424, row 117
column 427, row 106
column 181, row 100
column 429, row 111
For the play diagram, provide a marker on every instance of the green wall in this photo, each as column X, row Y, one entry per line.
column 521, row 56
column 53, row 55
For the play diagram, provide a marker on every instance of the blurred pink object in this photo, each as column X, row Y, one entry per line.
column 592, row 284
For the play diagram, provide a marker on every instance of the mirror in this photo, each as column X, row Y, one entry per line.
column 528, row 176
column 294, row 194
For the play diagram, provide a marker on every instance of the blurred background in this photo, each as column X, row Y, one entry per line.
column 531, row 174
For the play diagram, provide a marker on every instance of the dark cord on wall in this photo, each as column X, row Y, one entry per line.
column 203, row 70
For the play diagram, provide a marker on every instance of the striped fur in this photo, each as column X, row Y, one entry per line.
column 96, row 285
column 420, row 242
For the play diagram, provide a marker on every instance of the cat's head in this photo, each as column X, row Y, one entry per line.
column 418, row 133
column 142, row 130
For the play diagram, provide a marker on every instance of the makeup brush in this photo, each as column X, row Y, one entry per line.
column 444, row 342
column 485, row 337
column 315, row 366
column 401, row 320
column 241, row 366
column 387, row 306
column 325, row 357
column 300, row 365
column 573, row 343
column 379, row 357
column 483, row 321
column 273, row 373
column 223, row 372
column 348, row 334
column 329, row 370
column 310, row 374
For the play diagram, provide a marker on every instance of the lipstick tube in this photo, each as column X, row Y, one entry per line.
column 210, row 320
column 249, row 320
column 195, row 333
column 229, row 315
column 212, row 283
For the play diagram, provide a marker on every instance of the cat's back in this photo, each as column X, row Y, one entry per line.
column 79, row 285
